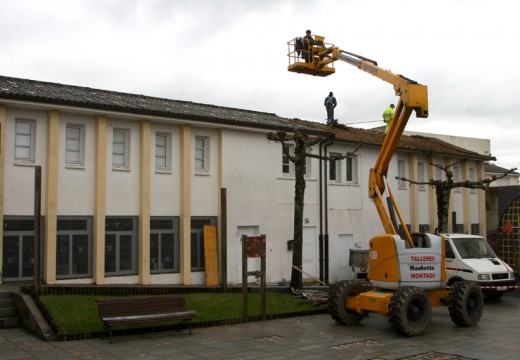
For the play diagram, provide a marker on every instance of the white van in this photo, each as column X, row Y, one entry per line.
column 469, row 257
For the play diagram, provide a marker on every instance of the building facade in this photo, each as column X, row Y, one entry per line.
column 129, row 182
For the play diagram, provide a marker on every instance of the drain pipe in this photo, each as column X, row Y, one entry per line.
column 324, row 237
column 320, row 185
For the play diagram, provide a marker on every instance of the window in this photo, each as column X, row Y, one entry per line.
column 352, row 169
column 18, row 248
column 201, row 154
column 121, row 149
column 74, row 145
column 473, row 177
column 287, row 164
column 456, row 177
column 24, row 140
column 163, row 152
column 424, row 228
column 164, row 246
column 120, row 245
column 450, row 254
column 421, row 175
column 439, row 174
column 401, row 173
column 197, row 241
column 73, row 247
column 307, row 167
column 334, row 170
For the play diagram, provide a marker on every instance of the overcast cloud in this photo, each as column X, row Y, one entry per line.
column 234, row 53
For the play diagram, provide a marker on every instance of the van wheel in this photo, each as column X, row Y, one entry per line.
column 466, row 303
column 409, row 311
column 338, row 297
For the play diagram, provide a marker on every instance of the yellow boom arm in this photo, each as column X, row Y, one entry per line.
column 412, row 96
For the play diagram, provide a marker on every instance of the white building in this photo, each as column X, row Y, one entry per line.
column 129, row 181
column 480, row 146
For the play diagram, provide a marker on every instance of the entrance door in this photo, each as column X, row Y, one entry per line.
column 18, row 249
column 309, row 265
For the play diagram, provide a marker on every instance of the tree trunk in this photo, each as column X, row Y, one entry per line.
column 443, row 205
column 299, row 195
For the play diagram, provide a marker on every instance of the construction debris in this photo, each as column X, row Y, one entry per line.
column 316, row 297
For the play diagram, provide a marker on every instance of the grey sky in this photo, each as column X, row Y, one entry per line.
column 233, row 53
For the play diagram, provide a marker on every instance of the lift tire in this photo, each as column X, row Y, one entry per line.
column 336, row 303
column 466, row 303
column 409, row 311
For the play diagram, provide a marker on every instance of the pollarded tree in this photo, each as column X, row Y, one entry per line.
column 443, row 189
column 302, row 142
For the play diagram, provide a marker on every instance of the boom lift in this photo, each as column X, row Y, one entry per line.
column 407, row 276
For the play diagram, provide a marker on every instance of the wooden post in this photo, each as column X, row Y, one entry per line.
column 253, row 247
column 37, row 212
column 223, row 236
column 244, row 279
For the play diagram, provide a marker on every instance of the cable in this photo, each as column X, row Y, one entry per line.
column 364, row 122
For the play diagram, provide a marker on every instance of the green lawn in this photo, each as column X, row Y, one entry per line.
column 78, row 313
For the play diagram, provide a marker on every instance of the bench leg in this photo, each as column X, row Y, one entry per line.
column 107, row 328
column 188, row 324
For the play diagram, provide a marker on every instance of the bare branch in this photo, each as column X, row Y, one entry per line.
column 335, row 156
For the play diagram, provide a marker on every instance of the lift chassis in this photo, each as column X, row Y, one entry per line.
column 406, row 276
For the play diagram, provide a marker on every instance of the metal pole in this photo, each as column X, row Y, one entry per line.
column 37, row 212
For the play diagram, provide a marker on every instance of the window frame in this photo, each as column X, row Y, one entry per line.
column 352, row 170
column 457, row 175
column 80, row 162
column 335, row 165
column 287, row 164
column 204, row 170
column 472, row 177
column 199, row 231
column 401, row 172
column 421, row 175
column 88, row 231
column 160, row 231
column 288, row 168
column 125, row 165
column 133, row 232
column 22, row 228
column 167, row 168
column 30, row 158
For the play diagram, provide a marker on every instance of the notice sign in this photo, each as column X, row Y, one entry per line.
column 421, row 267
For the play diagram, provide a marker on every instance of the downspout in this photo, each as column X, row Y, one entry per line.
column 324, row 237
column 320, row 238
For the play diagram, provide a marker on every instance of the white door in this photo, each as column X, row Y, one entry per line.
column 309, row 253
column 344, row 246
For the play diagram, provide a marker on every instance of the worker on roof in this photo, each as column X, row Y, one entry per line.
column 330, row 104
column 388, row 114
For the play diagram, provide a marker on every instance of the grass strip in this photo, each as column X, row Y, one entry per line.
column 76, row 314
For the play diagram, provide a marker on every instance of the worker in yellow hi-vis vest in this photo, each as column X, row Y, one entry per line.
column 388, row 114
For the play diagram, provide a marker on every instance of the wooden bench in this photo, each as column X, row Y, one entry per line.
column 144, row 309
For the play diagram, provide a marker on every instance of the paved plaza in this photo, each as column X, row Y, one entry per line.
column 309, row 337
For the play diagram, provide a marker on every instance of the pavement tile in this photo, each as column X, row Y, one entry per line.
column 308, row 337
